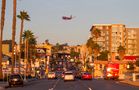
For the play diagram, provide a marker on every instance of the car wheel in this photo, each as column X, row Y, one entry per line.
column 9, row 85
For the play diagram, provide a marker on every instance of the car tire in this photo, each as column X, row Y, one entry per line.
column 9, row 85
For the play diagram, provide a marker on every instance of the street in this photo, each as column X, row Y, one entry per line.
column 59, row 84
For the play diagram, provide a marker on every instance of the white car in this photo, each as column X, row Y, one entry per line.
column 68, row 76
column 51, row 75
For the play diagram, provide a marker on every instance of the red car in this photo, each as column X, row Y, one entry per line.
column 86, row 75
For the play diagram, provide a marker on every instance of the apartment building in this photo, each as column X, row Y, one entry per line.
column 114, row 35
column 132, row 41
column 137, row 42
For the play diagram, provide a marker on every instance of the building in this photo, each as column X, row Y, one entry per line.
column 114, row 35
column 43, row 55
column 137, row 41
column 7, row 47
column 131, row 42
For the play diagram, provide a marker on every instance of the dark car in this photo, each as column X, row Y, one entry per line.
column 59, row 74
column 15, row 79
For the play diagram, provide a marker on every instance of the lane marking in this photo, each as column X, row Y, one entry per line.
column 85, row 85
column 51, row 89
column 89, row 88
column 54, row 86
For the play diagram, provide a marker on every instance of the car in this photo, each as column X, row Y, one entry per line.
column 86, row 76
column 15, row 79
column 78, row 74
column 69, row 76
column 51, row 75
column 59, row 74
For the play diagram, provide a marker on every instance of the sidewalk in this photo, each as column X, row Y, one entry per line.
column 130, row 82
column 3, row 85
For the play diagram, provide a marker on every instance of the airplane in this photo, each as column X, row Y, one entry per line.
column 67, row 18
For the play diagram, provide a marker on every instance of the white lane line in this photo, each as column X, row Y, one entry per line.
column 51, row 89
column 89, row 88
column 117, row 82
column 54, row 86
column 85, row 85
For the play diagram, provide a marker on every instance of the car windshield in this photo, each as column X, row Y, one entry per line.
column 68, row 73
column 15, row 76
column 87, row 73
column 51, row 73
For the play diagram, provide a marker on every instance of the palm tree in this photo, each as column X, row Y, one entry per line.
column 1, row 33
column 30, row 42
column 23, row 16
column 13, row 33
column 121, row 50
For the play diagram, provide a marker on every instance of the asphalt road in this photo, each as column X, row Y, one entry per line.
column 59, row 84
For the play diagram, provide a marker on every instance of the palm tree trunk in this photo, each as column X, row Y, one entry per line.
column 1, row 33
column 25, row 59
column 20, row 44
column 13, row 33
column 1, row 54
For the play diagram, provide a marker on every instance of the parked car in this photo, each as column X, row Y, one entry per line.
column 15, row 79
column 69, row 75
column 51, row 75
column 86, row 75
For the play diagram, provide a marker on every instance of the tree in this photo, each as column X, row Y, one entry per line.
column 13, row 33
column 92, row 45
column 73, row 53
column 103, row 55
column 1, row 33
column 96, row 33
column 89, row 45
column 96, row 50
column 121, row 51
column 22, row 16
column 30, row 42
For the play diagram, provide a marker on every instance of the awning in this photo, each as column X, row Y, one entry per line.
column 131, row 58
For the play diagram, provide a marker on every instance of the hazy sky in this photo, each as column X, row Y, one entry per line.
column 46, row 18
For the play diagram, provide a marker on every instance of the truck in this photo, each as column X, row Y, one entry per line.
column 111, row 71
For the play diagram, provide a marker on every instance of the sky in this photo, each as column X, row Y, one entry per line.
column 47, row 23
